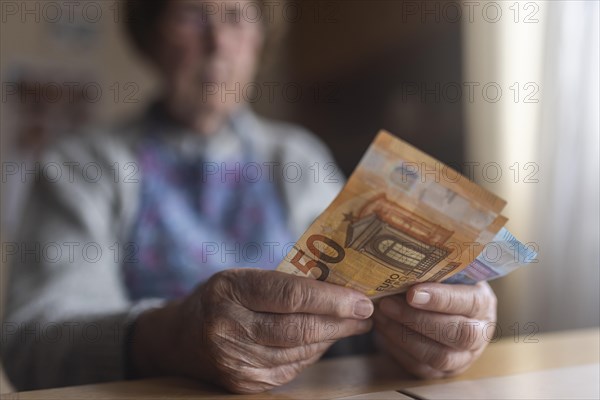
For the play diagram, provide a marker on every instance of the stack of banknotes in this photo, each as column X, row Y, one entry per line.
column 402, row 218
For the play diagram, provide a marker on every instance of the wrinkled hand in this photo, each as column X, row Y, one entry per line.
column 250, row 330
column 437, row 330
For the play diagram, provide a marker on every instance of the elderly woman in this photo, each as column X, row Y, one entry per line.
column 138, row 268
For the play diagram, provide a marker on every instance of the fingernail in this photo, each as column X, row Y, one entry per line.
column 363, row 308
column 421, row 298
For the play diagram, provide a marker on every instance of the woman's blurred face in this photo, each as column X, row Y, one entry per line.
column 207, row 52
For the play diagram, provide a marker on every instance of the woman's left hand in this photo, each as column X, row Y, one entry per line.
column 437, row 330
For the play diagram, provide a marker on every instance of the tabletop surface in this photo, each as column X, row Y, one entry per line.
column 348, row 376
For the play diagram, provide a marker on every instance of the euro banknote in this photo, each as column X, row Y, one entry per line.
column 500, row 257
column 403, row 217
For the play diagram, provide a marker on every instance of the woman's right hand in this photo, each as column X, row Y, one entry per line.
column 247, row 330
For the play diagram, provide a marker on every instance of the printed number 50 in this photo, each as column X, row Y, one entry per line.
column 321, row 256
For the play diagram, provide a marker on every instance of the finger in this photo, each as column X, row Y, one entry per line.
column 454, row 331
column 249, row 379
column 285, row 373
column 423, row 349
column 408, row 362
column 284, row 355
column 473, row 301
column 292, row 330
column 269, row 356
column 276, row 292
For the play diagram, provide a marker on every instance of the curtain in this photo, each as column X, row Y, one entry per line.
column 553, row 202
column 567, row 215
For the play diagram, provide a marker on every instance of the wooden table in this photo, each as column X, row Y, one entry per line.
column 354, row 375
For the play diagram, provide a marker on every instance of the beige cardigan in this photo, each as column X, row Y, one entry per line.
column 68, row 310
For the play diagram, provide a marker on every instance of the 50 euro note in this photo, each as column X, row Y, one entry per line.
column 402, row 218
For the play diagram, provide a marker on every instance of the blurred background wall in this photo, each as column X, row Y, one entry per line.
column 506, row 92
